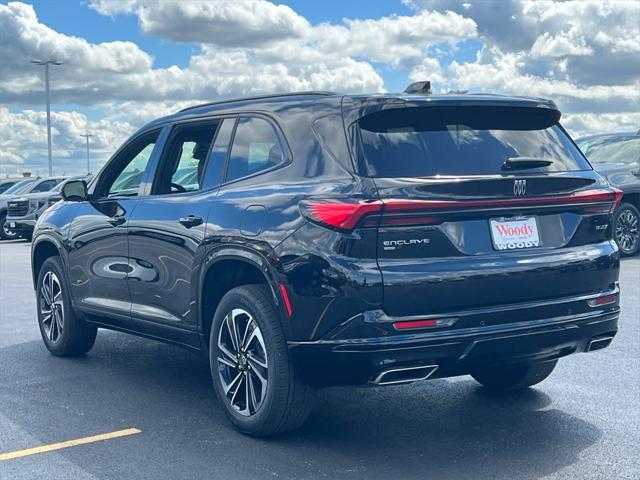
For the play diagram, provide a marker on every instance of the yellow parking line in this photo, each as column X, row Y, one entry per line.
column 69, row 443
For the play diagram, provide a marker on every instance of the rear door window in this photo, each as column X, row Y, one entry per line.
column 431, row 141
column 184, row 158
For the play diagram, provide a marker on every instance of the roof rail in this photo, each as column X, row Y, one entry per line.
column 260, row 97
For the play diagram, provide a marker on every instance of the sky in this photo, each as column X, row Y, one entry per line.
column 127, row 62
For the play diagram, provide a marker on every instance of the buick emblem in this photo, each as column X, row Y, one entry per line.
column 519, row 187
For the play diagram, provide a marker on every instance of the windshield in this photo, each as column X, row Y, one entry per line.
column 20, row 186
column 611, row 149
column 431, row 141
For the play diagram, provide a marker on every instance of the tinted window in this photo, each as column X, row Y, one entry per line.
column 5, row 186
column 612, row 149
column 428, row 141
column 44, row 186
column 124, row 174
column 255, row 148
column 20, row 186
column 184, row 160
column 215, row 166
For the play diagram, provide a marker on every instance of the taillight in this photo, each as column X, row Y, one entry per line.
column 618, row 198
column 346, row 215
column 608, row 197
column 341, row 215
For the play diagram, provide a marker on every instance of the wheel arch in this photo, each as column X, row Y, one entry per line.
column 43, row 248
column 632, row 198
column 228, row 269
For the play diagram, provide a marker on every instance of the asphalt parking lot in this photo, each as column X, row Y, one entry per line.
column 581, row 423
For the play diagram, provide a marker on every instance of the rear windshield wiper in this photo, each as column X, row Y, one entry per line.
column 514, row 163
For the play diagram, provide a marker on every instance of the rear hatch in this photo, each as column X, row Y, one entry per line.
column 483, row 206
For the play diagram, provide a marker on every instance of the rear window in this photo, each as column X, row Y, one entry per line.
column 431, row 141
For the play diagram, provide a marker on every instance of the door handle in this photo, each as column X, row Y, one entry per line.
column 116, row 220
column 191, row 221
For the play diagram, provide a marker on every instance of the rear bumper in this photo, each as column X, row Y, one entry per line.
column 352, row 361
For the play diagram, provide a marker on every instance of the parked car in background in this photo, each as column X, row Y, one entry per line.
column 23, row 212
column 7, row 183
column 616, row 157
column 25, row 187
column 332, row 239
column 5, row 232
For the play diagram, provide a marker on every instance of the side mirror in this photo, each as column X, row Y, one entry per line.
column 74, row 191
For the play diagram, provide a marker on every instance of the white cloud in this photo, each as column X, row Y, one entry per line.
column 505, row 72
column 429, row 69
column 246, row 23
column 260, row 24
column 120, row 71
column 23, row 141
column 584, row 33
column 580, row 124
column 394, row 39
column 561, row 45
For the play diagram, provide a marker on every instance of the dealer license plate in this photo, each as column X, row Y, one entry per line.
column 514, row 233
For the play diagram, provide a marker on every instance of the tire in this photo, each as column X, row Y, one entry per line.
column 626, row 229
column 254, row 407
column 5, row 232
column 63, row 333
column 514, row 377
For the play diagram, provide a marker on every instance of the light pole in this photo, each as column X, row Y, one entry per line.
column 46, row 63
column 87, row 136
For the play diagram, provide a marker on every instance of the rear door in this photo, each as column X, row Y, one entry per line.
column 483, row 206
column 167, row 230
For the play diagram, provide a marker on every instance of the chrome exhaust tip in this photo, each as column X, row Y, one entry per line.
column 599, row 343
column 397, row 375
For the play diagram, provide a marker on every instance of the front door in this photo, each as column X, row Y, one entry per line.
column 167, row 231
column 98, row 246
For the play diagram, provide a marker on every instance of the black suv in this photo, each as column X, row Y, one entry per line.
column 314, row 239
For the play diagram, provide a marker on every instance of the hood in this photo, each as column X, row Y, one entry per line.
column 4, row 199
column 34, row 196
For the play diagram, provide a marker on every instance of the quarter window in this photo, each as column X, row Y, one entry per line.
column 255, row 148
column 215, row 165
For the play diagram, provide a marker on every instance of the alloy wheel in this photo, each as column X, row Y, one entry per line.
column 51, row 307
column 242, row 362
column 627, row 230
column 8, row 232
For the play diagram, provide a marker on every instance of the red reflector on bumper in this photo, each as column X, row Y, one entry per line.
column 285, row 297
column 604, row 300
column 411, row 324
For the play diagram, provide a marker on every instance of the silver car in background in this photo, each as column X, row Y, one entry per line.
column 616, row 156
column 25, row 187
column 23, row 212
